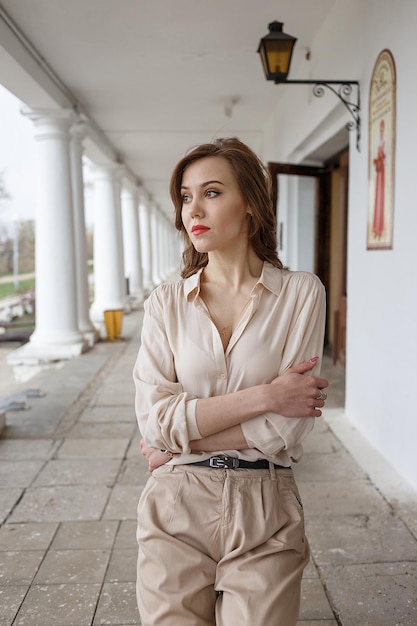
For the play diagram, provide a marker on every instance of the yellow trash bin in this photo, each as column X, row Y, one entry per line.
column 113, row 322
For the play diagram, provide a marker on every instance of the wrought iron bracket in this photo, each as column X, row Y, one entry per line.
column 345, row 91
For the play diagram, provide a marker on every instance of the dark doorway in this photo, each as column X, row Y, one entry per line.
column 330, row 238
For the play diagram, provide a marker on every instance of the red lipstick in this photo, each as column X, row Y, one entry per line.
column 199, row 229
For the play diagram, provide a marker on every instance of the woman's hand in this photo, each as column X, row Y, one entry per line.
column 295, row 394
column 155, row 457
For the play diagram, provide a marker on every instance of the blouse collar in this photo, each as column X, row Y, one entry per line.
column 270, row 278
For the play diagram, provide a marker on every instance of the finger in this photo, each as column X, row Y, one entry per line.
column 317, row 383
column 315, row 412
column 304, row 366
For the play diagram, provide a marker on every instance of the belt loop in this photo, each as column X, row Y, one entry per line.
column 272, row 471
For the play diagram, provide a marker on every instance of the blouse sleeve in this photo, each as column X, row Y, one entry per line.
column 271, row 433
column 165, row 412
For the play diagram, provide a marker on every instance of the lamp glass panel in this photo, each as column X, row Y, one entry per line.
column 278, row 56
column 264, row 61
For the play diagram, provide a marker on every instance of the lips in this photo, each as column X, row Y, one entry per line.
column 198, row 229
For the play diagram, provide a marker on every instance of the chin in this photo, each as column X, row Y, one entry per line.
column 202, row 249
column 201, row 246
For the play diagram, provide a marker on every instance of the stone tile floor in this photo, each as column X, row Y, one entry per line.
column 70, row 479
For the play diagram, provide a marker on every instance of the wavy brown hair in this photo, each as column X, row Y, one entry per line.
column 255, row 185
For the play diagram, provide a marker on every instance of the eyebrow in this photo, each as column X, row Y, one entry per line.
column 208, row 182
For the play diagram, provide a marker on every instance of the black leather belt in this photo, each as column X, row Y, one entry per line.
column 222, row 461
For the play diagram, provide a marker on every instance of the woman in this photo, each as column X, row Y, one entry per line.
column 378, row 224
column 227, row 386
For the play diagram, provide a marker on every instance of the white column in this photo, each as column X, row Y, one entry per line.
column 119, row 172
column 162, row 249
column 131, row 243
column 56, row 334
column 109, row 288
column 161, row 246
column 81, row 267
column 146, row 244
column 166, row 266
column 174, row 255
column 177, row 247
column 156, row 245
column 173, row 248
column 169, row 249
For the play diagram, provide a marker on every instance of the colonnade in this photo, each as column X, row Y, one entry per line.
column 135, row 245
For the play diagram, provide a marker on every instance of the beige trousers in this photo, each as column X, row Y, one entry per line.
column 220, row 547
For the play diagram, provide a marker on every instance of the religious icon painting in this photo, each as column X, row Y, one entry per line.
column 381, row 153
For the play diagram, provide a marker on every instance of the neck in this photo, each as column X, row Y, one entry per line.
column 234, row 270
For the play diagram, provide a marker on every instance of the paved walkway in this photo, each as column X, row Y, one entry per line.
column 71, row 474
column 10, row 279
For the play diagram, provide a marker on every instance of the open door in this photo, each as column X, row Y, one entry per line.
column 338, row 256
column 330, row 238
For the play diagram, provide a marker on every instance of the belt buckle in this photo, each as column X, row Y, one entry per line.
column 224, row 462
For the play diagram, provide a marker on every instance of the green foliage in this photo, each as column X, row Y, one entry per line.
column 26, row 238
column 7, row 289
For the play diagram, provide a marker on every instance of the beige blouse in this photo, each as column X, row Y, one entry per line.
column 181, row 359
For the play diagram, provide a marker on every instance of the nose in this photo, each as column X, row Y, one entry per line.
column 195, row 208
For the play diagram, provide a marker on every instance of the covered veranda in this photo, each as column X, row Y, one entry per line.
column 131, row 86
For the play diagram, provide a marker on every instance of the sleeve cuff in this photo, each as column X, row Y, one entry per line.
column 250, row 430
column 276, row 432
column 190, row 415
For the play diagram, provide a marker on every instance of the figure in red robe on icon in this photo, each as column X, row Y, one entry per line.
column 379, row 163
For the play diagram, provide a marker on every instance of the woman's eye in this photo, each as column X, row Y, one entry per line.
column 211, row 193
column 185, row 198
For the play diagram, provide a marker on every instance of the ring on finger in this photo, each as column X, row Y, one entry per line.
column 322, row 395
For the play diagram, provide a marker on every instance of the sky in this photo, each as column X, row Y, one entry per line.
column 18, row 165
column 17, row 161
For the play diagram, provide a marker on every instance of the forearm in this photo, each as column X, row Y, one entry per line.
column 292, row 394
column 229, row 439
column 220, row 413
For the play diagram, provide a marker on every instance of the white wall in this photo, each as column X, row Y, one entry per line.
column 382, row 285
column 381, row 371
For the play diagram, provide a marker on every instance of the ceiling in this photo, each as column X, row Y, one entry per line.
column 160, row 76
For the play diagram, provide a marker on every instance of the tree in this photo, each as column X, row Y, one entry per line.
column 25, row 235
column 6, row 245
column 4, row 195
column 27, row 246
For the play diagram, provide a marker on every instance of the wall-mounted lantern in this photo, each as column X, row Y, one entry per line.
column 276, row 50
